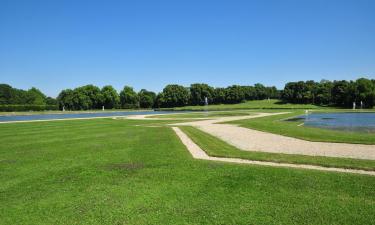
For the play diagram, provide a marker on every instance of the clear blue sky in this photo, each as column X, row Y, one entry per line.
column 55, row 45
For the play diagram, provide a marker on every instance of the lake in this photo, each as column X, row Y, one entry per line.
column 363, row 122
column 9, row 118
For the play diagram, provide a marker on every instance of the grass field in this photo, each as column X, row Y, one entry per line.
column 105, row 171
column 208, row 114
column 256, row 104
column 216, row 147
column 69, row 112
column 277, row 125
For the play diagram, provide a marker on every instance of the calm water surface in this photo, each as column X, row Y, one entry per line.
column 78, row 115
column 364, row 122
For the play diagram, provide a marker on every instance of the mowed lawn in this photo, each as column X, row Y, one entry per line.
column 278, row 125
column 254, row 104
column 105, row 171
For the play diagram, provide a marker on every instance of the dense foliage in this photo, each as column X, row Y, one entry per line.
column 13, row 96
column 12, row 99
column 339, row 93
column 146, row 99
column 129, row 98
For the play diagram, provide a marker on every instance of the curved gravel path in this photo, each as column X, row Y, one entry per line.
column 198, row 153
column 253, row 140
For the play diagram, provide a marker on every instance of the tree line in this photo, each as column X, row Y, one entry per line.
column 14, row 96
column 340, row 93
column 173, row 95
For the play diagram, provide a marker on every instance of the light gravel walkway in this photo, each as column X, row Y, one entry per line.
column 253, row 140
column 198, row 153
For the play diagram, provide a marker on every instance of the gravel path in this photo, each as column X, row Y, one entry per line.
column 253, row 140
column 198, row 153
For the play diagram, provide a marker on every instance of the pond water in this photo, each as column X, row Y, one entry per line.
column 9, row 118
column 363, row 122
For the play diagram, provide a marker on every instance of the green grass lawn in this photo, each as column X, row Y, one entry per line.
column 209, row 114
column 256, row 104
column 105, row 171
column 216, row 147
column 277, row 125
column 69, row 112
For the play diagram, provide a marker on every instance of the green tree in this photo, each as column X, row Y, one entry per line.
column 323, row 92
column 65, row 99
column 249, row 92
column 51, row 101
column 146, row 98
column 35, row 97
column 175, row 95
column 366, row 92
column 198, row 93
column 234, row 94
column 219, row 95
column 261, row 91
column 129, row 98
column 159, row 100
column 110, row 97
column 340, row 93
column 272, row 92
column 6, row 94
column 89, row 96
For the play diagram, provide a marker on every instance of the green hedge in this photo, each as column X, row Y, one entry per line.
column 20, row 108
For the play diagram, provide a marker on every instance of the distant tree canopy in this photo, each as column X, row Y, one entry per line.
column 198, row 93
column 173, row 95
column 146, row 99
column 13, row 96
column 81, row 98
column 339, row 93
column 110, row 98
column 129, row 98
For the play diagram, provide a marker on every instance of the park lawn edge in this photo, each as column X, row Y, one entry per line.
column 277, row 124
column 213, row 146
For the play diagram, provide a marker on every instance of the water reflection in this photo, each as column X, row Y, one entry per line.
column 362, row 122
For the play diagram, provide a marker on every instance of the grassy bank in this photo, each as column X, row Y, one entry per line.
column 69, row 112
column 256, row 104
column 209, row 114
column 216, row 147
column 105, row 171
column 277, row 125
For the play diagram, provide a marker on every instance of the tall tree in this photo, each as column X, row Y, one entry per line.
column 90, row 95
column 234, row 94
column 340, row 93
column 198, row 93
column 35, row 97
column 175, row 95
column 261, row 91
column 65, row 99
column 6, row 94
column 146, row 98
column 323, row 92
column 219, row 95
column 366, row 92
column 110, row 97
column 129, row 98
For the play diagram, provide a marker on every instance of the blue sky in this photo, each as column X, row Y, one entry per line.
column 55, row 45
